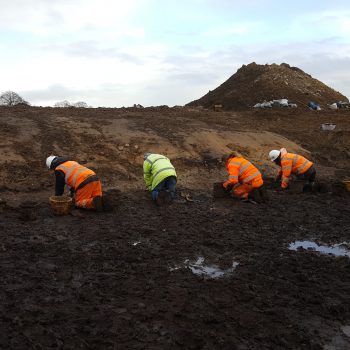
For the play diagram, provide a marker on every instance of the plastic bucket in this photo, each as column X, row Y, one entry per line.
column 60, row 205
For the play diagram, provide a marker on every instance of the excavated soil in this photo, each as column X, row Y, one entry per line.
column 255, row 83
column 126, row 279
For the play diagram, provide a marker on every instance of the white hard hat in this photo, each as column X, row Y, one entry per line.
column 49, row 161
column 274, row 154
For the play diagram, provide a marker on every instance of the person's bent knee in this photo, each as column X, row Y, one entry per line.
column 154, row 195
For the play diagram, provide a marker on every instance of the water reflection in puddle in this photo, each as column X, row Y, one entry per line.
column 210, row 271
column 341, row 249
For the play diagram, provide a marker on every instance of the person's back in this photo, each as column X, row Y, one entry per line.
column 243, row 176
column 159, row 174
column 292, row 163
column 246, row 171
column 75, row 174
column 83, row 183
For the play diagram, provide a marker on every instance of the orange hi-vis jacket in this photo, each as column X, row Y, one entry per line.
column 292, row 164
column 74, row 173
column 241, row 171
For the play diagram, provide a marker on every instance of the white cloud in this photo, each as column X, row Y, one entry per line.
column 228, row 30
column 163, row 77
column 322, row 23
column 345, row 25
column 45, row 18
column 116, row 53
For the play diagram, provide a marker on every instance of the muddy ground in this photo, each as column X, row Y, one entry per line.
column 125, row 279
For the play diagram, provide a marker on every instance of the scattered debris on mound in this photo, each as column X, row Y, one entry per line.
column 276, row 103
column 256, row 83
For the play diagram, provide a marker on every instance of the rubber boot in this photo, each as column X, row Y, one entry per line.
column 263, row 194
column 106, row 204
column 164, row 198
column 315, row 187
column 255, row 195
column 97, row 202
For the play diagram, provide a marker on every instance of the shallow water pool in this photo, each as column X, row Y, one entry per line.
column 336, row 249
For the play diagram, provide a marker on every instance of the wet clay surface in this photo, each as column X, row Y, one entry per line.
column 81, row 281
column 110, row 280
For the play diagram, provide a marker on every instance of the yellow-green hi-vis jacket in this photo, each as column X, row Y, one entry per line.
column 156, row 168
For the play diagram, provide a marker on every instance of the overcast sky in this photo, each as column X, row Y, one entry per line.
column 116, row 53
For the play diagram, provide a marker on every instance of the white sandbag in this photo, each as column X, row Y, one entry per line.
column 284, row 102
column 280, row 103
column 266, row 105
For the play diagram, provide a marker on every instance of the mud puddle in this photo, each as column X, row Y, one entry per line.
column 341, row 249
column 210, row 271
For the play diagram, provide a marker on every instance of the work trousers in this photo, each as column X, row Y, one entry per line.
column 242, row 191
column 309, row 175
column 168, row 184
column 85, row 195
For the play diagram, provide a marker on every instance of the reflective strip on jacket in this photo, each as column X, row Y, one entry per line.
column 74, row 173
column 156, row 168
column 241, row 171
column 293, row 164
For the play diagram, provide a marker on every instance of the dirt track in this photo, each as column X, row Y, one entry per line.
column 122, row 280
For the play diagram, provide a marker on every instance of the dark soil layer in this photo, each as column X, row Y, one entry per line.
column 79, row 282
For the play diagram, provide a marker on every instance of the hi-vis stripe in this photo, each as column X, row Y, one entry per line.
column 302, row 166
column 251, row 177
column 288, row 167
column 294, row 161
column 69, row 172
column 159, row 171
column 149, row 161
column 242, row 170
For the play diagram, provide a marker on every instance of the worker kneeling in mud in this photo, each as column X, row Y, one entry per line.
column 294, row 164
column 160, row 177
column 82, row 181
column 243, row 178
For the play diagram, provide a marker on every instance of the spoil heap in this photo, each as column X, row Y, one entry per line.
column 255, row 83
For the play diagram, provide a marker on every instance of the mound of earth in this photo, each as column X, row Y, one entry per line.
column 257, row 83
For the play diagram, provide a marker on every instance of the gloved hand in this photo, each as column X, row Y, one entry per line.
column 285, row 188
column 228, row 188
